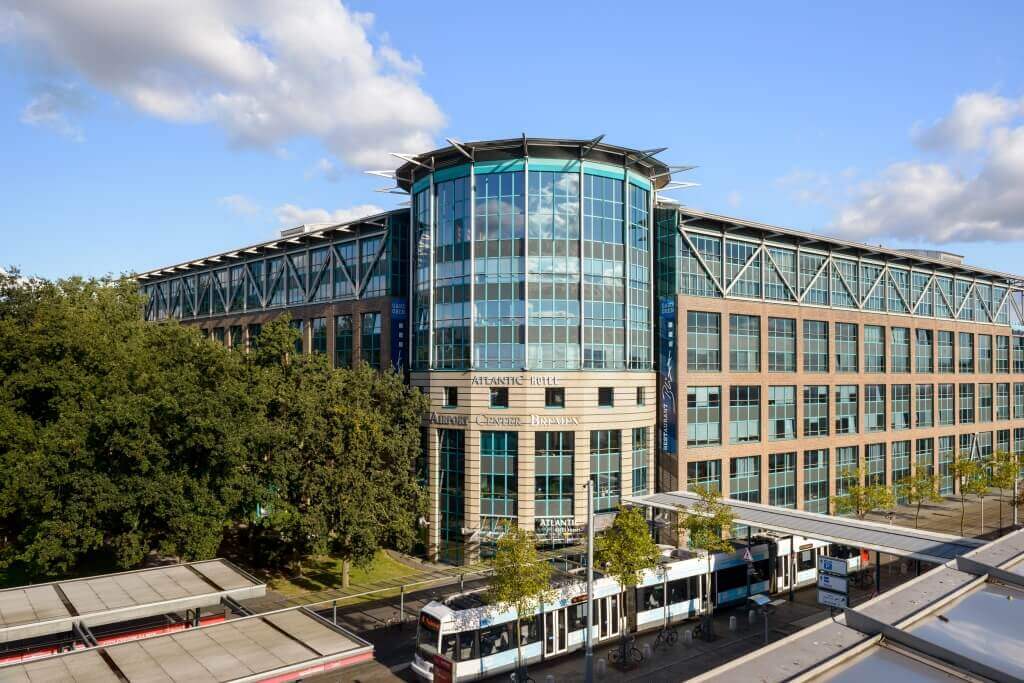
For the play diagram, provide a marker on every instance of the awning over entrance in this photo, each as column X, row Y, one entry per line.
column 894, row 540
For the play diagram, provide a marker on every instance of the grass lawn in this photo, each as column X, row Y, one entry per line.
column 324, row 573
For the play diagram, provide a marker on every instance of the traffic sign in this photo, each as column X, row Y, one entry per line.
column 833, row 565
column 747, row 557
column 832, row 599
column 832, row 583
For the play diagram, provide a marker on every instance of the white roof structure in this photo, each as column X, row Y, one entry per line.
column 57, row 607
column 960, row 621
column 282, row 645
column 894, row 540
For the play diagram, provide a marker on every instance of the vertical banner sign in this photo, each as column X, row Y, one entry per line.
column 399, row 332
column 666, row 371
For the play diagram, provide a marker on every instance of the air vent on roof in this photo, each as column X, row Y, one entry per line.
column 305, row 227
column 947, row 256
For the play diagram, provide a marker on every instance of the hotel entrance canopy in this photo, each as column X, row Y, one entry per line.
column 927, row 546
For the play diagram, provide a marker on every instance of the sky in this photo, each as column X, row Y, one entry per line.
column 142, row 133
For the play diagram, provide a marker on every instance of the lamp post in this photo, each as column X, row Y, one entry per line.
column 589, row 658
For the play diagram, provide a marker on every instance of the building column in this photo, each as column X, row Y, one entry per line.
column 525, row 481
column 471, row 496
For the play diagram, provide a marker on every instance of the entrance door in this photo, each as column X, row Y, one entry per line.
column 555, row 629
column 609, row 616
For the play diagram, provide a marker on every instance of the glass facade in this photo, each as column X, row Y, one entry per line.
column 874, row 348
column 846, row 409
column 706, row 473
column 782, row 479
column 318, row 335
column 606, row 468
column 946, row 458
column 900, row 349
column 343, row 341
column 846, row 347
column 924, row 351
column 816, row 481
column 499, row 459
column 815, row 346
column 452, row 488
column 847, row 463
column 781, row 413
column 744, row 414
column 816, row 410
column 946, row 357
column 369, row 339
column 900, row 408
column 641, row 460
column 924, row 405
column 554, row 454
column 703, row 416
column 781, row 345
column 745, row 478
column 744, row 343
column 874, row 407
column 703, row 342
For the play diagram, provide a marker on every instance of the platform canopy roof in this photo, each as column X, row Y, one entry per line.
column 48, row 608
column 894, row 540
column 282, row 645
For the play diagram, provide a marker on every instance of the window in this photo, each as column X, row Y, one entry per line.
column 703, row 342
column 498, row 483
column 846, row 466
column 781, row 345
column 923, row 351
column 554, row 397
column 782, row 479
column 1002, row 401
column 369, row 339
column 946, row 474
column 900, row 406
column 816, row 481
column 846, row 409
column 815, row 346
column 985, row 353
column 606, row 468
column 781, row 413
column 499, row 397
column 298, row 326
column 343, row 341
column 900, row 349
column 254, row 332
column 874, row 407
column 744, row 414
column 1018, row 354
column 451, row 397
column 744, row 343
column 554, row 453
column 318, row 337
column 900, row 469
column 945, row 349
column 641, row 396
column 1003, row 440
column 924, row 455
column 745, row 478
column 1002, row 354
column 703, row 416
column 606, row 397
column 966, row 404
column 874, row 463
column 924, row 406
column 846, row 347
column 816, row 410
column 641, row 453
column 874, row 348
column 966, row 352
column 452, row 452
column 1018, row 401
column 984, row 403
column 707, row 473
column 947, row 404
column 236, row 336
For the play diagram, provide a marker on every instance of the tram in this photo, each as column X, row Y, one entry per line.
column 479, row 640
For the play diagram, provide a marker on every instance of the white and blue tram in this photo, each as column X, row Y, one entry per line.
column 480, row 640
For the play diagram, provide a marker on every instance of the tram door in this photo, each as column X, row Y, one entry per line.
column 609, row 616
column 783, row 569
column 555, row 631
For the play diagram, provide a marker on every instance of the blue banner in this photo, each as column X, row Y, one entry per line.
column 399, row 332
column 666, row 372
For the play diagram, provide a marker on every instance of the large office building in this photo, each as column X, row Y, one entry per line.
column 571, row 326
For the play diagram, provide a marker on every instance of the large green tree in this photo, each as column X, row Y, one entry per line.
column 119, row 437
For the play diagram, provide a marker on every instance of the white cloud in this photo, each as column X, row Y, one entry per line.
column 291, row 215
column 969, row 123
column 973, row 198
column 326, row 168
column 240, row 204
column 52, row 108
column 265, row 71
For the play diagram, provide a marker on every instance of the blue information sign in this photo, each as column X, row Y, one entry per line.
column 399, row 332
column 667, row 369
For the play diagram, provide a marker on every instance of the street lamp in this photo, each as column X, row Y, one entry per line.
column 589, row 658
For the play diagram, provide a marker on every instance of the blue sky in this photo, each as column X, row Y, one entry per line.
column 152, row 141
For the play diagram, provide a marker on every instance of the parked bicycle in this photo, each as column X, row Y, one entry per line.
column 626, row 652
column 667, row 637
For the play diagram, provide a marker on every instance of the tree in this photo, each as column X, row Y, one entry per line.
column 521, row 580
column 702, row 523
column 970, row 477
column 921, row 488
column 624, row 551
column 862, row 498
column 1005, row 471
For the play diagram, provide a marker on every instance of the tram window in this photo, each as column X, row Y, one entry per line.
column 448, row 646
column 578, row 617
column 761, row 571
column 529, row 631
column 650, row 597
column 467, row 645
column 681, row 590
column 805, row 561
column 495, row 639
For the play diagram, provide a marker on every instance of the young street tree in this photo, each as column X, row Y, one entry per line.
column 623, row 552
column 1005, row 472
column 970, row 478
column 861, row 498
column 702, row 523
column 921, row 488
column 521, row 581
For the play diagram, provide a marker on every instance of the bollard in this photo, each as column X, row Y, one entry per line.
column 751, row 616
column 462, row 583
column 401, row 609
column 549, row 679
column 647, row 651
column 688, row 636
column 602, row 667
column 334, row 612
column 732, row 623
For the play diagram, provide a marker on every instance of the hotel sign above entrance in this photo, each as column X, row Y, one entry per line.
column 515, row 380
column 458, row 420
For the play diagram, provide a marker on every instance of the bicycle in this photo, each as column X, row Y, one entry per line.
column 626, row 652
column 667, row 637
